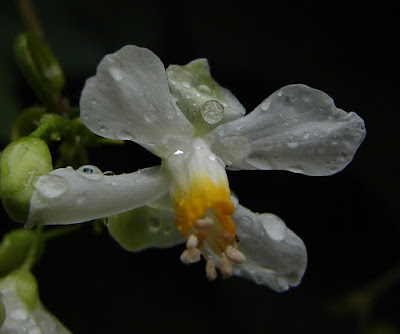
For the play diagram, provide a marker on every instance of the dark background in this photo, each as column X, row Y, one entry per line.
column 349, row 221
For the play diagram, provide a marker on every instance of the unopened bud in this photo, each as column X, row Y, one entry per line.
column 22, row 163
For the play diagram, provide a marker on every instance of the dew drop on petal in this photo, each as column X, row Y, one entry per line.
column 265, row 105
column 90, row 172
column 292, row 145
column 212, row 112
column 204, row 89
column 124, row 135
column 185, row 84
column 154, row 224
column 279, row 93
column 116, row 73
column 51, row 186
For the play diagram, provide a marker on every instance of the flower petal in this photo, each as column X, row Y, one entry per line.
column 275, row 256
column 129, row 99
column 67, row 196
column 297, row 128
column 145, row 227
column 21, row 320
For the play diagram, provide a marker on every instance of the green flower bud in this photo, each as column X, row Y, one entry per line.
column 21, row 164
column 39, row 67
column 26, row 288
column 14, row 249
column 27, row 122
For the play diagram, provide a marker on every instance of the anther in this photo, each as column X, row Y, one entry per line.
column 192, row 242
column 203, row 224
column 190, row 255
column 234, row 255
column 225, row 267
column 211, row 273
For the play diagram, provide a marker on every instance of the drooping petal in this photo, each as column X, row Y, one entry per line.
column 129, row 99
column 297, row 128
column 145, row 227
column 67, row 196
column 275, row 256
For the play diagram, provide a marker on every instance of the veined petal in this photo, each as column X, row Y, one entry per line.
column 275, row 256
column 145, row 227
column 67, row 196
column 129, row 99
column 297, row 128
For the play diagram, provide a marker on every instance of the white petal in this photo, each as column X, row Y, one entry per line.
column 145, row 227
column 297, row 128
column 67, row 196
column 19, row 320
column 275, row 256
column 129, row 99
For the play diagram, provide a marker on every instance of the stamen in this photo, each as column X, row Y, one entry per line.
column 225, row 267
column 234, row 255
column 203, row 224
column 192, row 242
column 190, row 255
column 211, row 273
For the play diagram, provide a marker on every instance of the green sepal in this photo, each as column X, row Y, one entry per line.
column 2, row 311
column 26, row 288
column 14, row 249
column 39, row 67
column 27, row 122
column 145, row 227
column 21, row 164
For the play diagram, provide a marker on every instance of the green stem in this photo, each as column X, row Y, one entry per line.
column 34, row 251
column 30, row 18
column 60, row 232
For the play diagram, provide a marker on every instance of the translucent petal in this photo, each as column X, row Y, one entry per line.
column 67, row 196
column 21, row 320
column 275, row 256
column 297, row 128
column 129, row 99
column 145, row 227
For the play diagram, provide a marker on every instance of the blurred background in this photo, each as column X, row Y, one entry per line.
column 348, row 221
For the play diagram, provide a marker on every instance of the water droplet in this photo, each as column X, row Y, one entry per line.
column 124, row 135
column 292, row 145
column 51, row 186
column 198, row 94
column 81, row 199
column 154, row 224
column 116, row 73
column 212, row 157
column 90, row 172
column 265, row 105
column 279, row 93
column 185, row 84
column 204, row 89
column 94, row 101
column 102, row 128
column 306, row 135
column 178, row 152
column 113, row 183
column 212, row 112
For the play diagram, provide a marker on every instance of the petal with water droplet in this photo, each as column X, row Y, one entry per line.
column 130, row 88
column 298, row 129
column 275, row 256
column 81, row 198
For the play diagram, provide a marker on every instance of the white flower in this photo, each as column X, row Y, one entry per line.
column 197, row 128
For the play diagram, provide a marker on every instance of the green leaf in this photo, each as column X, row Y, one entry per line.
column 39, row 67
column 21, row 164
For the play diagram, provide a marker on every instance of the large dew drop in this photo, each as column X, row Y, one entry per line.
column 212, row 112
column 51, row 186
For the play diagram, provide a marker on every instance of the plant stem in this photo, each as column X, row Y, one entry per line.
column 30, row 18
